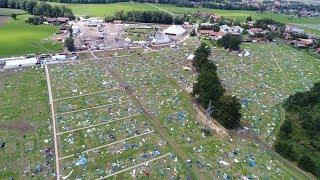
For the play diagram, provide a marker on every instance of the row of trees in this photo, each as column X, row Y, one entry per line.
column 38, row 8
column 226, row 109
column 299, row 136
column 144, row 17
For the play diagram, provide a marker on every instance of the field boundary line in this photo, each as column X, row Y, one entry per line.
column 99, row 147
column 53, row 122
column 135, row 166
column 107, row 90
column 281, row 71
column 160, row 8
column 93, row 55
column 100, row 124
column 94, row 107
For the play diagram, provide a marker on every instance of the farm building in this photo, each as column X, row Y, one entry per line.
column 175, row 30
column 212, row 34
column 257, row 31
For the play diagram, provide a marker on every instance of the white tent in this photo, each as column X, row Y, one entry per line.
column 190, row 56
column 59, row 57
column 176, row 30
column 21, row 62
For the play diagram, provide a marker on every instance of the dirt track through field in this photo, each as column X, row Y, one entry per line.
column 4, row 20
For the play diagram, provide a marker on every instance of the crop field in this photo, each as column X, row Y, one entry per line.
column 264, row 79
column 25, row 125
column 19, row 38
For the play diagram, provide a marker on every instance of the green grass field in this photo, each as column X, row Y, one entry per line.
column 109, row 9
column 102, row 10
column 8, row 12
column 19, row 38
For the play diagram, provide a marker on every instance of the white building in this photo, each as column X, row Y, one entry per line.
column 175, row 30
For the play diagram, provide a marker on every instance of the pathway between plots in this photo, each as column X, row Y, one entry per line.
column 53, row 122
column 183, row 156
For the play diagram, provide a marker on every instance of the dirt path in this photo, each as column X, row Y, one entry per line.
column 160, row 8
column 53, row 122
column 4, row 20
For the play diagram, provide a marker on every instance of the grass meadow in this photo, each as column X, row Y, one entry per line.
column 19, row 38
column 102, row 10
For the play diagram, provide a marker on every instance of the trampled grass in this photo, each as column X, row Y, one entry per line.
column 264, row 79
column 25, row 125
column 19, row 38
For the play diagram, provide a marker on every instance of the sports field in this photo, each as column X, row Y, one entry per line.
column 19, row 38
column 264, row 79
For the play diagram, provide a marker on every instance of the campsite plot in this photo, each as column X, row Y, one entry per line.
column 109, row 160
column 96, row 116
column 264, row 79
column 79, row 78
column 92, row 100
column 84, row 139
column 26, row 147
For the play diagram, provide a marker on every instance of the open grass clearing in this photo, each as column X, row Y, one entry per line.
column 8, row 12
column 102, row 10
column 20, row 38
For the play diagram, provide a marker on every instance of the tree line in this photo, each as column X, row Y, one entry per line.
column 208, row 88
column 299, row 136
column 38, row 8
column 143, row 17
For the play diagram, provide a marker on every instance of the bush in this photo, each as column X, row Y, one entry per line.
column 69, row 44
column 230, row 41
